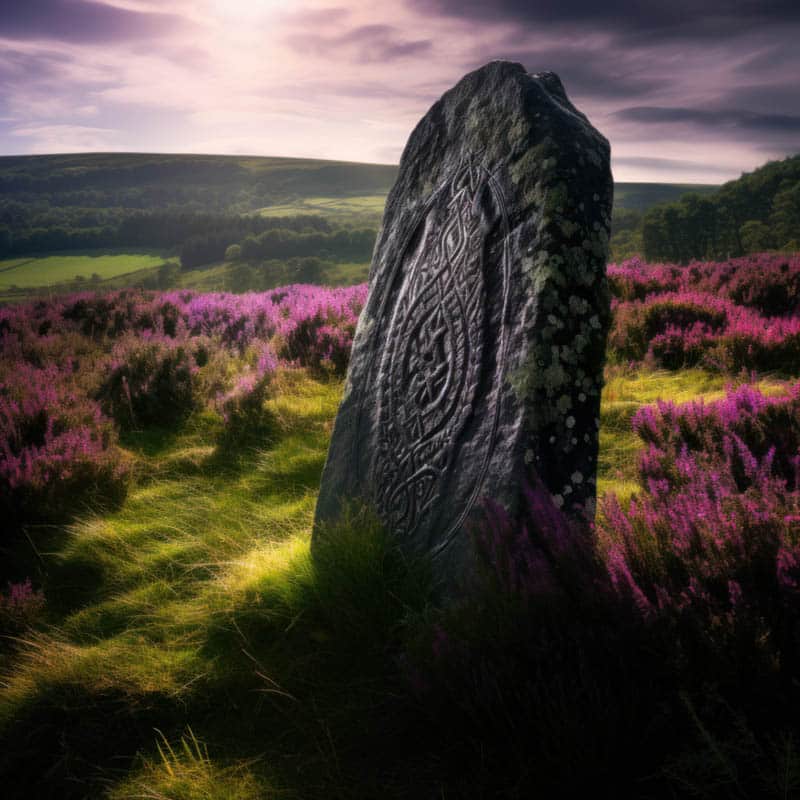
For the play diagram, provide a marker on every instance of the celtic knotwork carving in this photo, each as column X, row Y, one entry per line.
column 430, row 368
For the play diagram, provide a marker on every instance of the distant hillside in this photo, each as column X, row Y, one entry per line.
column 641, row 196
column 196, row 207
column 229, row 184
column 756, row 212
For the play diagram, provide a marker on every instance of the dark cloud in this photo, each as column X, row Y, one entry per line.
column 779, row 58
column 365, row 44
column 602, row 73
column 685, row 19
column 80, row 21
column 779, row 98
column 737, row 120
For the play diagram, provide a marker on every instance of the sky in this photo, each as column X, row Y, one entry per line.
column 687, row 91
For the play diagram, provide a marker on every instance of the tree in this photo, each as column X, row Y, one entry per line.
column 755, row 236
column 241, row 278
column 785, row 216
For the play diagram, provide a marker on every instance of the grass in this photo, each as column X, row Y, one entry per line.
column 347, row 274
column 54, row 268
column 363, row 209
column 625, row 392
column 191, row 647
column 212, row 278
column 216, row 277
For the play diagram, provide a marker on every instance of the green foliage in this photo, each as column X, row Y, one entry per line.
column 198, row 603
column 233, row 253
column 186, row 772
column 756, row 212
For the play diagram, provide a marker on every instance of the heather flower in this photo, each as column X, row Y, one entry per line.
column 242, row 407
column 56, row 446
column 151, row 380
column 714, row 531
column 21, row 601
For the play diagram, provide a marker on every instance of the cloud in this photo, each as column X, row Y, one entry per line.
column 81, row 21
column 736, row 121
column 67, row 138
column 678, row 19
column 710, row 85
column 589, row 70
column 376, row 43
column 774, row 97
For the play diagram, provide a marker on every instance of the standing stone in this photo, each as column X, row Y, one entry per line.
column 478, row 360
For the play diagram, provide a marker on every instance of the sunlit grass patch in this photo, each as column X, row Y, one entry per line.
column 185, row 771
column 37, row 271
column 626, row 390
column 349, row 208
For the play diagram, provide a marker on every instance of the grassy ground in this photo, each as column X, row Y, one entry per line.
column 46, row 270
column 190, row 649
column 216, row 277
column 356, row 209
column 626, row 391
column 213, row 278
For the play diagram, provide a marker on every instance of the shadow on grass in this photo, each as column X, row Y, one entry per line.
column 72, row 742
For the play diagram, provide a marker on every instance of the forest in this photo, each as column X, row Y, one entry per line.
column 757, row 212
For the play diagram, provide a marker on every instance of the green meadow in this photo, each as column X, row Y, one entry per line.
column 352, row 209
column 192, row 649
column 47, row 270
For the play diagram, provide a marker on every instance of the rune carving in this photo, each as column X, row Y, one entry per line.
column 431, row 363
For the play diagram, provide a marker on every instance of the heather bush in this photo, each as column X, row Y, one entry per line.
column 637, row 324
column 539, row 663
column 771, row 286
column 768, row 283
column 745, row 425
column 711, row 544
column 321, row 344
column 242, row 407
column 57, row 449
column 20, row 606
column 102, row 315
column 676, row 330
column 151, row 381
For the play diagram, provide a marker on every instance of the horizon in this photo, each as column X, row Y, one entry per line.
column 67, row 154
column 684, row 94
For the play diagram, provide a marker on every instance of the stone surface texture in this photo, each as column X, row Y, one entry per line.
column 477, row 364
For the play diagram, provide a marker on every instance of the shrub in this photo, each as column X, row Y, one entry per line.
column 538, row 670
column 769, row 283
column 57, row 448
column 712, row 542
column 676, row 330
column 20, row 606
column 151, row 381
column 242, row 407
column 322, row 344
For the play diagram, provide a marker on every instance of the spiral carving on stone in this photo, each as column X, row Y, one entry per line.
column 431, row 363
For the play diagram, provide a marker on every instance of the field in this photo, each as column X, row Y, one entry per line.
column 50, row 269
column 76, row 216
column 167, row 634
column 359, row 209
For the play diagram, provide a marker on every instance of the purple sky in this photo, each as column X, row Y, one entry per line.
column 686, row 91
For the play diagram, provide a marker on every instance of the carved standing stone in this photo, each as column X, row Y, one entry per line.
column 478, row 360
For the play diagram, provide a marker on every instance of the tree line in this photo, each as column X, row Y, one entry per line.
column 759, row 211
